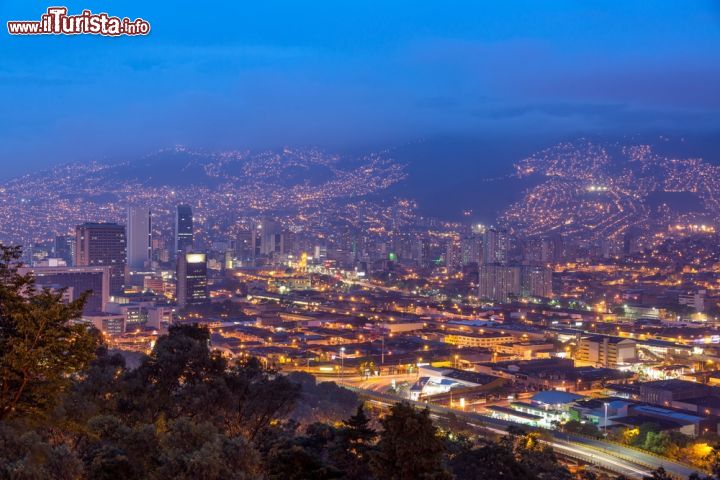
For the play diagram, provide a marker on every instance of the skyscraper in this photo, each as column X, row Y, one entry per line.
column 540, row 250
column 453, row 255
column 104, row 245
column 191, row 279
column 496, row 246
column 267, row 239
column 471, row 248
column 183, row 229
column 64, row 248
column 535, row 281
column 243, row 247
column 139, row 237
column 498, row 282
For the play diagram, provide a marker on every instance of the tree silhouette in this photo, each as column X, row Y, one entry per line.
column 490, row 461
column 39, row 349
column 409, row 447
column 354, row 445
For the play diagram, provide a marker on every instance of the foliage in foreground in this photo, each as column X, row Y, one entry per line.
column 69, row 409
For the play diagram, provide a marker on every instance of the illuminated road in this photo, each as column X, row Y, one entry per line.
column 614, row 458
column 582, row 454
column 378, row 384
column 371, row 285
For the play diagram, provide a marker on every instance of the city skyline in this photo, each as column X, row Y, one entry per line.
column 360, row 240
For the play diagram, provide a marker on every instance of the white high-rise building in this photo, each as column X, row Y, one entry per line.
column 139, row 237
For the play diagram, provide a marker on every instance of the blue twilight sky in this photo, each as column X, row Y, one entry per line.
column 354, row 73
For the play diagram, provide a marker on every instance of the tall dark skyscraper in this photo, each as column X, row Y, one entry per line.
column 104, row 245
column 243, row 247
column 183, row 229
column 139, row 241
column 192, row 279
column 64, row 248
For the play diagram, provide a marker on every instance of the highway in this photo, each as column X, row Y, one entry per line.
column 614, row 458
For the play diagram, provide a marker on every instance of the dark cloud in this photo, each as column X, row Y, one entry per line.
column 263, row 74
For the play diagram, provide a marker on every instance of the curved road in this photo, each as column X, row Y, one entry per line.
column 615, row 458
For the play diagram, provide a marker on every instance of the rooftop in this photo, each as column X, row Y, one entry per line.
column 555, row 397
column 514, row 413
column 672, row 385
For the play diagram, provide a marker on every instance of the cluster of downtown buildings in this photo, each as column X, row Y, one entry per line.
column 473, row 313
column 110, row 260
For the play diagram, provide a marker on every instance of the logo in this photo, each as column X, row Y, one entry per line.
column 57, row 22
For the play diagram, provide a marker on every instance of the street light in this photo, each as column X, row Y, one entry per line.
column 342, row 365
column 606, row 420
column 382, row 349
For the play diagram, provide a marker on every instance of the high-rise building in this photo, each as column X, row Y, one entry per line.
column 267, row 239
column 631, row 241
column 76, row 281
column 498, row 282
column 557, row 246
column 243, row 247
column 472, row 250
column 535, row 281
column 192, row 279
column 139, row 237
column 496, row 246
column 453, row 255
column 421, row 252
column 64, row 248
column 103, row 245
column 183, row 229
column 539, row 250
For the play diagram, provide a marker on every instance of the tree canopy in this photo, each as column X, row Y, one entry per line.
column 40, row 349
